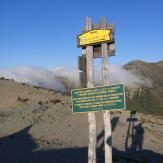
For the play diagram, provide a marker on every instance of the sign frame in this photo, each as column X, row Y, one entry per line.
column 115, row 109
column 111, row 40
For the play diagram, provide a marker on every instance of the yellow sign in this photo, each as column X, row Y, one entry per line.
column 94, row 37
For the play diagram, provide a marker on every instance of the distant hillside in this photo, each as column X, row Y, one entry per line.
column 152, row 71
column 148, row 100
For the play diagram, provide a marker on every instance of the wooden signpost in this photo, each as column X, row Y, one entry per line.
column 97, row 41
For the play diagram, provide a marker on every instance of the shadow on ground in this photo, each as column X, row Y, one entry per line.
column 134, row 151
column 20, row 148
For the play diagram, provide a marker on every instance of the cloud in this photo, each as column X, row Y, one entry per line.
column 120, row 75
column 70, row 73
column 33, row 75
column 47, row 78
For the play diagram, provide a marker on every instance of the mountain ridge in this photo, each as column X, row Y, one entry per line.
column 148, row 100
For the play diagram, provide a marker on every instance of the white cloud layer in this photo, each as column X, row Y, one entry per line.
column 47, row 78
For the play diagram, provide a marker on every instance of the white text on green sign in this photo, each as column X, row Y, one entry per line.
column 109, row 97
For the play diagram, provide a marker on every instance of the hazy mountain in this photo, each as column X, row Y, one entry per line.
column 145, row 99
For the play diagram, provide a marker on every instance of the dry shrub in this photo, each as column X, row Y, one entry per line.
column 22, row 100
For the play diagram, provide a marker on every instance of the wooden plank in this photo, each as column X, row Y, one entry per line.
column 111, row 27
column 111, row 49
column 83, row 50
column 96, row 26
column 82, row 63
column 83, row 75
column 106, row 115
column 97, row 50
column 83, row 79
column 91, row 115
column 111, row 46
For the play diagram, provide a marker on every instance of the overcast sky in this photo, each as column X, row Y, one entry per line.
column 43, row 32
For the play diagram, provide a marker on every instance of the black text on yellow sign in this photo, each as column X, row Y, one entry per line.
column 94, row 37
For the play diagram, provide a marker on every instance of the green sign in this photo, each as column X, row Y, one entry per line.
column 100, row 98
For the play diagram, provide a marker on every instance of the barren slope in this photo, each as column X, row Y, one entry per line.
column 37, row 126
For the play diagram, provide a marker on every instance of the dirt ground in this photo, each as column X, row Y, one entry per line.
column 37, row 126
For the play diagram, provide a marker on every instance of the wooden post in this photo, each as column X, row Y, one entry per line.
column 91, row 115
column 106, row 115
column 92, row 50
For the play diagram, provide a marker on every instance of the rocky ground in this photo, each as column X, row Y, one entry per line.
column 37, row 126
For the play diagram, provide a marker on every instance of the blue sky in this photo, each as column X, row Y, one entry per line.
column 43, row 32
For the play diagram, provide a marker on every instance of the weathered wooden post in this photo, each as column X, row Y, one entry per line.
column 90, row 83
column 97, row 41
column 105, row 78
